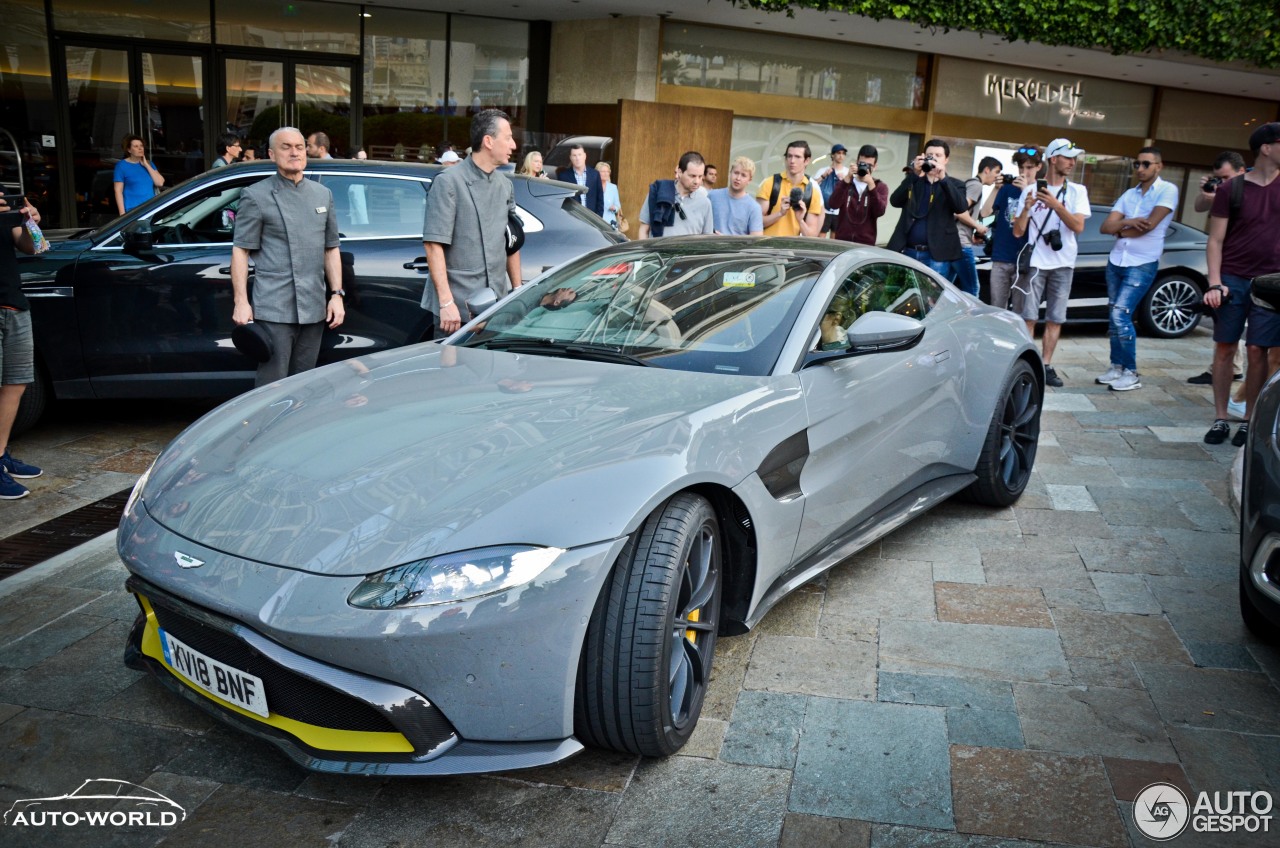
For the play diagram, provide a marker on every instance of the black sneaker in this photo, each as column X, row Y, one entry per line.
column 1218, row 432
column 1242, row 434
column 1051, row 377
column 1206, row 379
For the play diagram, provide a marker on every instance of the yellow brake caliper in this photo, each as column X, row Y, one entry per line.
column 692, row 635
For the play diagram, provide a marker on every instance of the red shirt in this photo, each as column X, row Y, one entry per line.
column 857, row 216
column 1251, row 246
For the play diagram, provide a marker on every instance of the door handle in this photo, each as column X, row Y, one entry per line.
column 225, row 270
column 419, row 264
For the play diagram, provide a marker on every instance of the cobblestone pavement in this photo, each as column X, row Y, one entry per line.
column 979, row 678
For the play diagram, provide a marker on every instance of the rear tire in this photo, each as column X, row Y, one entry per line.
column 1170, row 308
column 1257, row 623
column 646, row 661
column 1009, row 452
column 35, row 400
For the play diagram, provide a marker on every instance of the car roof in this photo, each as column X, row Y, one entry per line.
column 823, row 250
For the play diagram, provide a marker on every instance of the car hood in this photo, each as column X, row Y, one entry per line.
column 371, row 463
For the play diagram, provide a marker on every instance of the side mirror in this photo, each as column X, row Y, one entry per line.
column 138, row 238
column 482, row 300
column 884, row 331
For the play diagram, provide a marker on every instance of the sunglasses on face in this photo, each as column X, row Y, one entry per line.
column 1139, row 163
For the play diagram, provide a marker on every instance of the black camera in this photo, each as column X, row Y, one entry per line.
column 928, row 164
column 797, row 195
column 1053, row 238
column 863, row 169
column 1211, row 184
column 1007, row 179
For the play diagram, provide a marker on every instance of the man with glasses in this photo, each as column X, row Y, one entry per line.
column 791, row 202
column 1052, row 217
column 678, row 207
column 229, row 147
column 1006, row 248
column 859, row 199
column 1139, row 221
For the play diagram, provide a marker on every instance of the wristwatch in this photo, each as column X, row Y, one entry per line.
column 337, row 293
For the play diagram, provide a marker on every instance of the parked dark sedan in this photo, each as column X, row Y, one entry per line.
column 1169, row 309
column 116, row 317
column 1260, row 518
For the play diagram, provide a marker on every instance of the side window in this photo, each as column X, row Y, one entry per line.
column 378, row 207
column 205, row 218
column 878, row 287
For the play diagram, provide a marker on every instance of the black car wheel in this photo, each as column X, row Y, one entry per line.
column 1254, row 619
column 1170, row 309
column 1004, row 466
column 35, row 399
column 646, row 662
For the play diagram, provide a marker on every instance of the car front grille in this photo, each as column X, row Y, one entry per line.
column 288, row 693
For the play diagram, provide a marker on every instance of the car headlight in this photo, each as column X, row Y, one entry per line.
column 452, row 577
column 138, row 487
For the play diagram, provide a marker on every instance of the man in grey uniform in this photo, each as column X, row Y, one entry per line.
column 465, row 228
column 287, row 225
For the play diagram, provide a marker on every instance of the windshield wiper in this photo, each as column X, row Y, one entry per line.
column 573, row 350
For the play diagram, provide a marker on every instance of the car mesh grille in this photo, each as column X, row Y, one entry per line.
column 288, row 693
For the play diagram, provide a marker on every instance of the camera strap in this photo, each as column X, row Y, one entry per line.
column 1062, row 196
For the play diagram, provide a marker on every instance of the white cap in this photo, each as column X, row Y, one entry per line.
column 449, row 157
column 1062, row 147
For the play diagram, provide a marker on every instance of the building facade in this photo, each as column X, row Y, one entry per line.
column 76, row 76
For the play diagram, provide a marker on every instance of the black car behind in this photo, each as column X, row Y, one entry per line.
column 1260, row 518
column 116, row 318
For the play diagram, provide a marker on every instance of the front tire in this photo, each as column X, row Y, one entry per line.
column 1009, row 452
column 646, row 661
column 34, row 402
column 1170, row 309
column 1254, row 619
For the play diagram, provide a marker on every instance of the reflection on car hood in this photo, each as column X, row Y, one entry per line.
column 366, row 464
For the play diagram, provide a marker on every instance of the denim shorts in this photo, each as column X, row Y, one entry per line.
column 1054, row 288
column 1229, row 318
column 17, row 348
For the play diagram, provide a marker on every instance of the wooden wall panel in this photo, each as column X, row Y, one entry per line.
column 653, row 136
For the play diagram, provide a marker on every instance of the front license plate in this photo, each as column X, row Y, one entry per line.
column 221, row 681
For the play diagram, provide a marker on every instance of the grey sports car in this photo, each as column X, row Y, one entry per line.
column 483, row 554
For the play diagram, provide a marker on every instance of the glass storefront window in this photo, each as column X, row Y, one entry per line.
column 27, row 107
column 187, row 22
column 764, row 63
column 293, row 25
column 404, row 83
column 488, row 67
column 764, row 141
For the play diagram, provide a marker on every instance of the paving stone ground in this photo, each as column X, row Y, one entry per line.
column 978, row 679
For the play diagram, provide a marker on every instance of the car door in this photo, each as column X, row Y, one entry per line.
column 879, row 423
column 380, row 221
column 159, row 323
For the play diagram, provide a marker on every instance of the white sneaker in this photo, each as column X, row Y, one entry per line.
column 1113, row 374
column 1238, row 409
column 1128, row 381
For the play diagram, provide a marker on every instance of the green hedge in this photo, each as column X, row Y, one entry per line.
column 1219, row 30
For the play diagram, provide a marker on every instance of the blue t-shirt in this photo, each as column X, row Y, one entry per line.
column 138, row 188
column 735, row 216
column 1004, row 245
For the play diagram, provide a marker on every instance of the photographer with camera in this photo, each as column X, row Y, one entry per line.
column 1006, row 248
column 792, row 203
column 930, row 200
column 1139, row 221
column 859, row 199
column 1242, row 245
column 1052, row 212
column 1229, row 164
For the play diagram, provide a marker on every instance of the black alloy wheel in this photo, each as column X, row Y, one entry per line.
column 646, row 661
column 1004, row 467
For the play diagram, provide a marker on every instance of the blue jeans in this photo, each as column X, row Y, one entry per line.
column 1125, row 289
column 964, row 272
column 923, row 257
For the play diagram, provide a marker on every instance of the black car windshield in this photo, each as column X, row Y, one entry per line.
column 721, row 312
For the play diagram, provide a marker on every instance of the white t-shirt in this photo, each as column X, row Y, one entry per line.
column 1043, row 219
column 1146, row 248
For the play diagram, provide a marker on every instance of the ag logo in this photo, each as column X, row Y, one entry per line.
column 1161, row 811
column 186, row 561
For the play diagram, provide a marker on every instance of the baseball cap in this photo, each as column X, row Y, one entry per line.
column 450, row 156
column 839, row 148
column 1265, row 134
column 1062, row 147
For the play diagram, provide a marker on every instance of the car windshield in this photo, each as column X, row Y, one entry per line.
column 723, row 312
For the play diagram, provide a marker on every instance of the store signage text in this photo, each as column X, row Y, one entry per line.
column 1032, row 92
